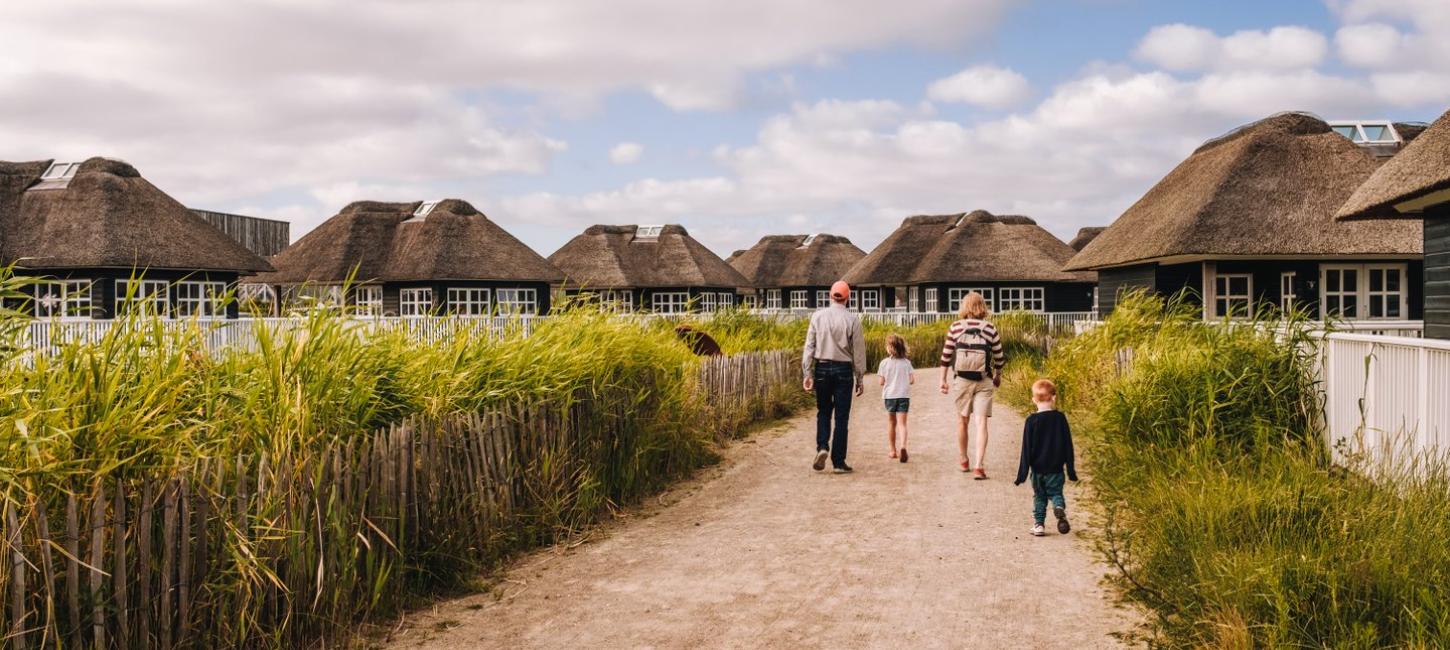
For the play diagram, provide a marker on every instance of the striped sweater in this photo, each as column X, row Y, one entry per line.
column 989, row 331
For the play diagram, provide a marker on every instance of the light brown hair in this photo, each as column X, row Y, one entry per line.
column 896, row 346
column 973, row 306
column 1044, row 390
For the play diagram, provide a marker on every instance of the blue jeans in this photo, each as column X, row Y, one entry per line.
column 1044, row 487
column 834, row 382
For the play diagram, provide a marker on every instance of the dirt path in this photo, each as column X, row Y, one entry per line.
column 764, row 552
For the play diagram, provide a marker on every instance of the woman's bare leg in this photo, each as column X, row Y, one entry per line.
column 981, row 439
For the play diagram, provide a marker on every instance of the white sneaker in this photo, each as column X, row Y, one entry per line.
column 1037, row 530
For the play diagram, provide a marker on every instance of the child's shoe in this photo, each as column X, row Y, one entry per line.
column 1037, row 530
column 903, row 454
column 1062, row 525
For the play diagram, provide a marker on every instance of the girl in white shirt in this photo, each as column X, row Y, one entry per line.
column 896, row 381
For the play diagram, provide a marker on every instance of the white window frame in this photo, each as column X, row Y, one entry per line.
column 670, row 302
column 65, row 299
column 1028, row 299
column 799, row 298
column 823, row 298
column 60, row 171
column 871, row 300
column 648, row 232
column 470, row 301
column 772, row 298
column 726, row 300
column 914, row 302
column 1288, row 291
column 202, row 299
column 152, row 292
column 955, row 295
column 1364, row 296
column 367, row 300
column 854, row 302
column 414, row 302
column 709, row 301
column 517, row 300
column 929, row 305
column 620, row 300
column 1230, row 299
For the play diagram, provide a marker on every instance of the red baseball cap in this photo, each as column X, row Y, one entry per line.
column 841, row 290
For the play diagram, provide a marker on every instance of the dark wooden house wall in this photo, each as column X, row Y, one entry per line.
column 103, row 285
column 265, row 237
column 1437, row 272
column 1112, row 283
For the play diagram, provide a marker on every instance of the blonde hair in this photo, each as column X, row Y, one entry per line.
column 1043, row 390
column 896, row 346
column 973, row 306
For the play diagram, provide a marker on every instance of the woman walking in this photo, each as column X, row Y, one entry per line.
column 972, row 354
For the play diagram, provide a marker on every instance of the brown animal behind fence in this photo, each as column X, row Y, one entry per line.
column 279, row 551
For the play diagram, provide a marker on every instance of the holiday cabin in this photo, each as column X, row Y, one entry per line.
column 657, row 268
column 795, row 271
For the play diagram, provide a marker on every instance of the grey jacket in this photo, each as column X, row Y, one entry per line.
column 835, row 335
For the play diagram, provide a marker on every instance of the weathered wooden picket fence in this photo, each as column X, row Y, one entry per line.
column 278, row 551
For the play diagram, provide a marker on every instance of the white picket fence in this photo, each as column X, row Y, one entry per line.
column 1387, row 398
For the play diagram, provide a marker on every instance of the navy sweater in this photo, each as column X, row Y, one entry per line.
column 1046, row 445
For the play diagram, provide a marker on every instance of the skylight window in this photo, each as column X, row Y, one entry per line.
column 60, row 171
column 1367, row 132
column 807, row 242
column 425, row 208
column 648, row 232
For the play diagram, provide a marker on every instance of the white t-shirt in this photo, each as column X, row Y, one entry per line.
column 897, row 373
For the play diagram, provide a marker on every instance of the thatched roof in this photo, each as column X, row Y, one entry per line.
column 1085, row 236
column 1269, row 188
column 386, row 242
column 1421, row 168
column 606, row 257
column 973, row 247
column 787, row 261
column 106, row 216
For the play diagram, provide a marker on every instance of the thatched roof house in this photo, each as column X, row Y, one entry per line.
column 796, row 271
column 408, row 257
column 1085, row 236
column 94, row 225
column 660, row 267
column 1416, row 183
column 1011, row 260
column 1248, row 218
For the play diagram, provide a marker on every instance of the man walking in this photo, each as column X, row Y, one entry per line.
column 834, row 361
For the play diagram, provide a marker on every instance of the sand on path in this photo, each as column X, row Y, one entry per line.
column 764, row 552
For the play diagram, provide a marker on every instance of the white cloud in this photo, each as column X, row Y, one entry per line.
column 1185, row 47
column 984, row 85
column 1371, row 45
column 626, row 153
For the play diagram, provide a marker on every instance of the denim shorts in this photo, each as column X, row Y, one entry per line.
column 898, row 405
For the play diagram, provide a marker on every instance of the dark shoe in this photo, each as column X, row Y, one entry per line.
column 820, row 463
column 903, row 454
column 843, row 469
column 1062, row 525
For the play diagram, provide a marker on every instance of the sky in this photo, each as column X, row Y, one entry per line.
column 736, row 119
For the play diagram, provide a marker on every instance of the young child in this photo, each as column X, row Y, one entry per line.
column 1046, row 450
column 896, row 381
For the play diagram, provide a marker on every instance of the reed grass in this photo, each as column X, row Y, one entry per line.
column 1222, row 511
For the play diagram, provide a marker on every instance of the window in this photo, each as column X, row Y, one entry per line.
column 424, row 209
column 1021, row 299
column 1288, row 291
column 518, row 301
column 368, row 300
column 63, row 299
column 648, row 232
column 955, row 295
column 871, row 300
column 60, row 171
column 727, row 300
column 1367, row 132
column 202, row 299
column 670, row 302
column 708, row 301
column 1233, row 295
column 798, row 299
column 772, row 299
column 749, row 301
column 141, row 297
column 915, row 304
column 810, row 239
column 618, row 299
column 854, row 302
column 823, row 298
column 417, row 301
column 1361, row 291
column 469, row 301
column 930, row 303
column 1095, row 300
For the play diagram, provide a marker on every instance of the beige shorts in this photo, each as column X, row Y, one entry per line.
column 975, row 397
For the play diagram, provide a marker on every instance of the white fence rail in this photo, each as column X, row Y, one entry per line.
column 1386, row 397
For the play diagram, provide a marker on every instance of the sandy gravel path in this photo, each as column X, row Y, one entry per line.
column 764, row 552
